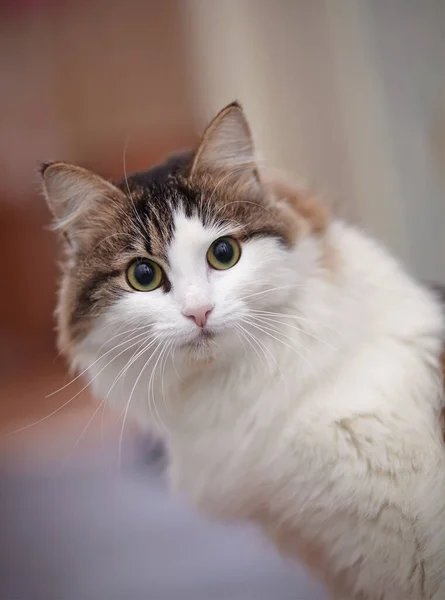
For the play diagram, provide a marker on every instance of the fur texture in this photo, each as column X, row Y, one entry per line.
column 310, row 402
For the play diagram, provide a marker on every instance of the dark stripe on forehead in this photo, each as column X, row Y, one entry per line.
column 189, row 200
column 161, row 232
column 153, row 219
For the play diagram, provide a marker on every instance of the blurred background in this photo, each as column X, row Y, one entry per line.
column 348, row 94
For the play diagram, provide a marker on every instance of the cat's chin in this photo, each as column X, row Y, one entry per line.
column 200, row 347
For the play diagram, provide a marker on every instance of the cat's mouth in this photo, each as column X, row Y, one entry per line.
column 201, row 341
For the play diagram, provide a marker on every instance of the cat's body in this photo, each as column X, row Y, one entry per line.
column 305, row 396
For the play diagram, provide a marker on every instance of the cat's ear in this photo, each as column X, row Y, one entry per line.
column 79, row 199
column 227, row 148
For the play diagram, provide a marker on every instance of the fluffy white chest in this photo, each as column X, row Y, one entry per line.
column 329, row 430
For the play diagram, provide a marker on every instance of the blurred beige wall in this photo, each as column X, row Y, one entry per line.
column 345, row 93
column 409, row 55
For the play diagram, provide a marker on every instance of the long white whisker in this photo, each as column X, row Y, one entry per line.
column 142, row 347
column 265, row 349
column 298, row 318
column 168, row 354
column 271, row 321
column 274, row 289
column 240, row 337
column 150, row 391
column 135, row 357
column 98, row 359
column 174, row 364
column 127, row 407
column 54, row 412
column 82, row 433
column 264, row 330
column 247, row 333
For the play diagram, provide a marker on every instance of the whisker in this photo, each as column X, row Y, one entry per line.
column 163, row 367
column 127, row 406
column 134, row 358
column 62, row 406
column 274, row 289
column 174, row 364
column 265, row 348
column 82, row 433
column 150, row 391
column 240, row 337
column 264, row 330
column 97, row 360
column 270, row 321
column 120, row 377
column 298, row 318
column 247, row 333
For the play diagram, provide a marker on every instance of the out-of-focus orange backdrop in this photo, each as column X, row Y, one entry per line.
column 350, row 95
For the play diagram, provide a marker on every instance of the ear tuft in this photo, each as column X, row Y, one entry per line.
column 234, row 104
column 43, row 166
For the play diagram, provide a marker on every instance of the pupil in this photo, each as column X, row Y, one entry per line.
column 144, row 274
column 223, row 251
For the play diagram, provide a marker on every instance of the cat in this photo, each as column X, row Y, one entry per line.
column 290, row 362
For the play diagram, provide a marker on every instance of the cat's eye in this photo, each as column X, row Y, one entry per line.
column 144, row 275
column 224, row 253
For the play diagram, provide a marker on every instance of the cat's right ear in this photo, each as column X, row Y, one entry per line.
column 227, row 149
column 79, row 200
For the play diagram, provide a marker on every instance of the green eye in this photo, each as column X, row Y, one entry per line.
column 144, row 275
column 224, row 253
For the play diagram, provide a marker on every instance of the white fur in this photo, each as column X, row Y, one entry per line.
column 324, row 421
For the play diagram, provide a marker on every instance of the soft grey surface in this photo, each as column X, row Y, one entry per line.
column 89, row 533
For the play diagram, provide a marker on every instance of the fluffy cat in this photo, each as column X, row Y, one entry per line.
column 291, row 363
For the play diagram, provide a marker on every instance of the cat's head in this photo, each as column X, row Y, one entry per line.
column 183, row 254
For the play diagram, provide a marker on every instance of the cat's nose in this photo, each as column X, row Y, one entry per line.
column 199, row 314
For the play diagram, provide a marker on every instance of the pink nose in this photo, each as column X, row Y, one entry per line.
column 199, row 314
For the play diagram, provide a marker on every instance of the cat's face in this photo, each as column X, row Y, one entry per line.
column 207, row 281
column 181, row 256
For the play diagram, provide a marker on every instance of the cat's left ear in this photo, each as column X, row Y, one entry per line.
column 81, row 201
column 227, row 149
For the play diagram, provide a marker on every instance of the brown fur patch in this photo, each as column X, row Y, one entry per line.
column 306, row 205
column 236, row 202
column 308, row 214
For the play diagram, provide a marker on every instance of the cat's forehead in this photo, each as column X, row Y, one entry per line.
column 162, row 198
column 192, row 237
column 156, row 209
